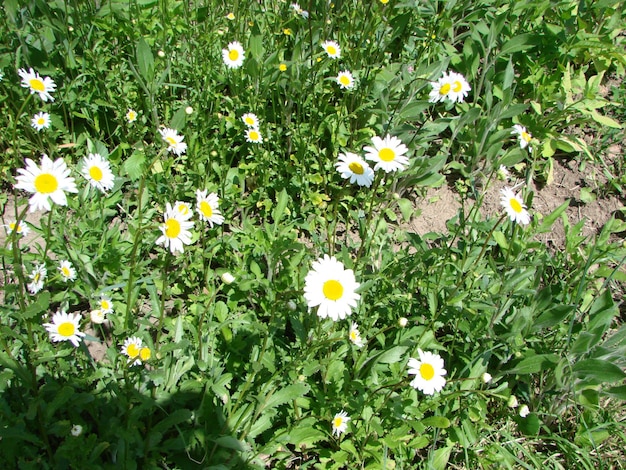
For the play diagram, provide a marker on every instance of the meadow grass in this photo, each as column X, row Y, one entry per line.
column 222, row 277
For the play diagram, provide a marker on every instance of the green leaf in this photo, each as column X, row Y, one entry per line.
column 40, row 305
column 406, row 208
column 230, row 442
column 179, row 416
column 279, row 210
column 440, row 458
column 546, row 223
column 534, row 364
column 287, row 394
column 436, row 422
column 605, row 120
column 529, row 425
column 553, row 316
column 522, row 42
column 133, row 166
column 256, row 48
column 393, row 355
column 145, row 60
column 617, row 392
column 598, row 370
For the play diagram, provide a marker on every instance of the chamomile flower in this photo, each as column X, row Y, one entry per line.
column 183, row 209
column 68, row 273
column 40, row 121
column 174, row 141
column 514, row 207
column 254, row 136
column 331, row 288
column 175, row 229
column 340, row 423
column 37, row 84
column 299, row 11
column 21, row 228
column 50, row 181
column 355, row 336
column 131, row 116
column 105, row 304
column 345, row 80
column 388, row 153
column 131, row 348
column 523, row 136
column 250, row 120
column 429, row 372
column 97, row 170
column 208, row 207
column 332, row 49
column 65, row 327
column 37, row 277
column 451, row 86
column 233, row 55
column 350, row 165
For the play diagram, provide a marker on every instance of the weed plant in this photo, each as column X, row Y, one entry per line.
column 218, row 272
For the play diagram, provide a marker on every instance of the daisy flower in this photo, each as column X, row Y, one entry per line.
column 208, row 207
column 42, row 85
column 250, row 120
column 174, row 141
column 299, row 11
column 97, row 171
column 340, row 423
column 176, row 230
column 350, row 165
column 388, row 153
column 105, row 304
column 332, row 49
column 64, row 327
column 514, row 207
column 233, row 55
column 40, row 121
column 37, row 276
column 429, row 371
column 183, row 209
column 451, row 86
column 68, row 273
column 355, row 336
column 97, row 316
column 131, row 116
column 331, row 288
column 254, row 136
column 132, row 348
column 52, row 180
column 523, row 135
column 22, row 228
column 345, row 80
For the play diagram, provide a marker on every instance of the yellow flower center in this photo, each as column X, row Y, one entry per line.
column 41, row 121
column 67, row 329
column 37, row 84
column 515, row 205
column 171, row 141
column 183, row 209
column 254, row 136
column 12, row 227
column 526, row 136
column 356, row 168
column 354, row 336
column 65, row 270
column 331, row 50
column 206, row 209
column 132, row 115
column 145, row 353
column 287, row 32
column 445, row 89
column 46, row 183
column 282, row 67
column 36, row 278
column 337, row 422
column 250, row 121
column 457, row 86
column 233, row 54
column 95, row 173
column 386, row 154
column 172, row 228
column 132, row 350
column 427, row 371
column 345, row 80
column 332, row 289
column 105, row 304
column 384, row 2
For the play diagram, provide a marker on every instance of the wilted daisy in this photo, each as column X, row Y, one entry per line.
column 41, row 85
column 345, row 80
column 131, row 116
column 52, row 180
column 97, row 171
column 340, row 423
column 332, row 49
column 355, row 336
column 523, row 135
column 37, row 276
column 22, row 228
column 97, row 316
column 524, row 411
column 331, row 288
column 176, row 230
column 250, row 120
column 105, row 304
column 183, row 209
column 68, row 273
column 514, row 206
column 429, row 371
column 64, row 327
column 350, row 165
column 451, row 86
column 208, row 207
column 174, row 141
column 40, row 121
column 230, row 16
column 254, row 136
column 299, row 11
column 388, row 153
column 233, row 55
column 503, row 173
column 486, row 377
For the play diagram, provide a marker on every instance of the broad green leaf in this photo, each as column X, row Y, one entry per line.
column 436, row 422
column 605, row 120
column 287, row 394
column 547, row 221
column 522, row 42
column 534, row 364
column 230, row 442
column 178, row 416
column 392, row 355
column 553, row 316
column 133, row 166
column 598, row 370
column 406, row 208
column 145, row 60
column 440, row 458
column 40, row 305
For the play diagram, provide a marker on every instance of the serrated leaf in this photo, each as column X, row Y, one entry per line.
column 287, row 394
column 133, row 166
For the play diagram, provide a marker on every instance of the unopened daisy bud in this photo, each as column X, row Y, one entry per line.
column 524, row 411
column 403, row 321
column 76, row 430
column 486, row 377
column 161, row 54
column 97, row 316
column 189, row 110
column 228, row 278
column 512, row 402
column 213, row 153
